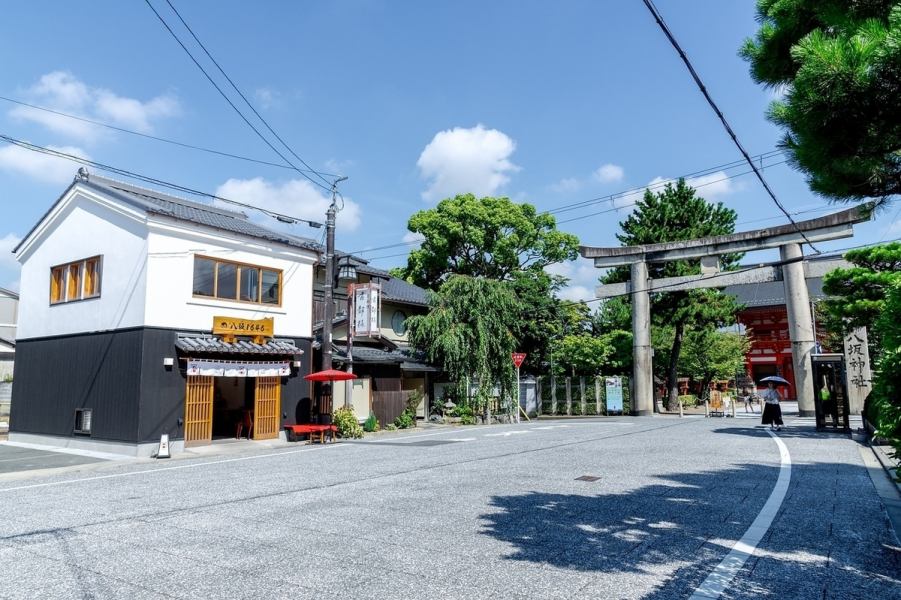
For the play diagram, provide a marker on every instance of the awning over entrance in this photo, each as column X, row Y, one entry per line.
column 208, row 344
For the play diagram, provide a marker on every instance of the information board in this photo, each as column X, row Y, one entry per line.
column 614, row 387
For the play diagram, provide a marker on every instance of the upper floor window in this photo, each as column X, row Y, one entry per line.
column 214, row 278
column 77, row 280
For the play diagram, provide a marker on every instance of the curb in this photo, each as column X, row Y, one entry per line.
column 891, row 468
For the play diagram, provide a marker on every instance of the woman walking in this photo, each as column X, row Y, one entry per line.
column 772, row 412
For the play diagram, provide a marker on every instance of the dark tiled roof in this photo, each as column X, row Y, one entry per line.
column 368, row 354
column 213, row 345
column 203, row 214
column 771, row 293
column 398, row 290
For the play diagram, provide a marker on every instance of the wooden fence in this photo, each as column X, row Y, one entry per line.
column 387, row 406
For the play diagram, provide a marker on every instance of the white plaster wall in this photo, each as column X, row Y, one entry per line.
column 170, row 277
column 83, row 229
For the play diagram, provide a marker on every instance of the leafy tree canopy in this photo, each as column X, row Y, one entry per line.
column 470, row 331
column 839, row 64
column 484, row 237
column 710, row 354
column 858, row 294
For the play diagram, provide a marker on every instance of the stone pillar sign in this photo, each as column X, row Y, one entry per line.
column 857, row 367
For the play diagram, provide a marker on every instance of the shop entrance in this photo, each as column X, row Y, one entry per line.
column 231, row 407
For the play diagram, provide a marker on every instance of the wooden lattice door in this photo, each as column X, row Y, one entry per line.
column 267, row 405
column 198, row 410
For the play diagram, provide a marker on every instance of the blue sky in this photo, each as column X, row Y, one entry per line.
column 546, row 102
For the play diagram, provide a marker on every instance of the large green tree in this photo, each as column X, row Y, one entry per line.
column 484, row 237
column 857, row 294
column 470, row 332
column 838, row 63
column 672, row 214
column 503, row 241
column 710, row 354
column 868, row 294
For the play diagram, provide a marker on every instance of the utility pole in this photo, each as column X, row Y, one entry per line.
column 329, row 286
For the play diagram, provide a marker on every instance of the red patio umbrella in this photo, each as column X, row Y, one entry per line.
column 330, row 375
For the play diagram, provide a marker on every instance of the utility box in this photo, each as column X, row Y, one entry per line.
column 830, row 390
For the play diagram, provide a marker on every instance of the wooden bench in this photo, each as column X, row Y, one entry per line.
column 312, row 430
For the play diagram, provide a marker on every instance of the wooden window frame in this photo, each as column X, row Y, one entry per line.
column 81, row 266
column 238, row 266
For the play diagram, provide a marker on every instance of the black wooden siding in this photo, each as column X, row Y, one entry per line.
column 100, row 371
column 120, row 376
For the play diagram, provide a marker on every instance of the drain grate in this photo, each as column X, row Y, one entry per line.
column 587, row 478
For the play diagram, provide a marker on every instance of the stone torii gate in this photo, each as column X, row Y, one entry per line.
column 788, row 238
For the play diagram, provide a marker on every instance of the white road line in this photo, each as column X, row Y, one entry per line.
column 505, row 433
column 725, row 572
column 172, row 468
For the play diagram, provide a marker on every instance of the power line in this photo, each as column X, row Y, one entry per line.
column 153, row 137
column 625, row 193
column 700, row 173
column 243, row 97
column 227, row 99
column 657, row 17
column 152, row 180
column 800, row 212
column 662, row 184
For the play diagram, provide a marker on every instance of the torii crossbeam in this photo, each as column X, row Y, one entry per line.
column 788, row 238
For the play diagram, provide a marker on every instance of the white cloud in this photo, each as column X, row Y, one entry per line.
column 413, row 238
column 7, row 258
column 459, row 161
column 609, row 173
column 267, row 97
column 582, row 276
column 62, row 91
column 567, row 184
column 42, row 167
column 711, row 187
column 296, row 198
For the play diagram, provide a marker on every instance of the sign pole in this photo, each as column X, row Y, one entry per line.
column 518, row 392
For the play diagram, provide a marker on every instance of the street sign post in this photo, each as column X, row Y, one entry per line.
column 518, row 358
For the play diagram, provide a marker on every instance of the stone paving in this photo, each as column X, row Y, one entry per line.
column 464, row 513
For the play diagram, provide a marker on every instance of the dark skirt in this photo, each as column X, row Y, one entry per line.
column 772, row 414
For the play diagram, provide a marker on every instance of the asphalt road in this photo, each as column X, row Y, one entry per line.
column 493, row 512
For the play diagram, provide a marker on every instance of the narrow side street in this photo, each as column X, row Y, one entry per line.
column 501, row 512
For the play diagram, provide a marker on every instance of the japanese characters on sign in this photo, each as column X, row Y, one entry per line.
column 857, row 363
column 366, row 310
column 228, row 368
column 518, row 357
column 232, row 326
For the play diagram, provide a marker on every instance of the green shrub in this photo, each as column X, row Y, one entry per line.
column 346, row 422
column 390, row 427
column 371, row 424
column 688, row 400
column 405, row 420
column 464, row 413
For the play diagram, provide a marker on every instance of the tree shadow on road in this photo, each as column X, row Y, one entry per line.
column 677, row 530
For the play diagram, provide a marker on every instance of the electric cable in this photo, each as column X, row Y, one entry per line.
column 152, row 180
column 240, row 93
column 669, row 35
column 227, row 99
column 152, row 137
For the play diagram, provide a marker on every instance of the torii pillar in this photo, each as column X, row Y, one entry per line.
column 790, row 269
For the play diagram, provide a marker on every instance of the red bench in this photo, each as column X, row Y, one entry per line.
column 312, row 430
